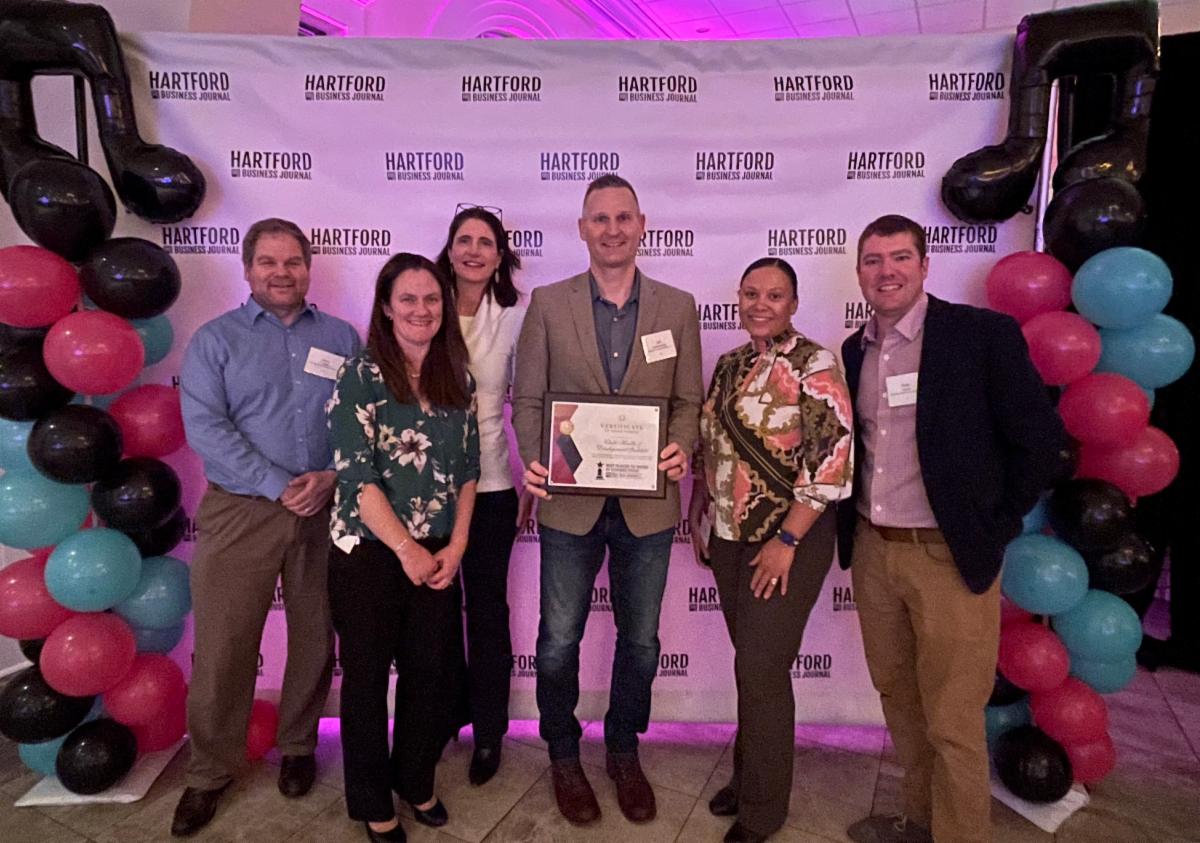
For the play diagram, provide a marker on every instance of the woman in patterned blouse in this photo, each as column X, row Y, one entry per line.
column 777, row 451
column 406, row 449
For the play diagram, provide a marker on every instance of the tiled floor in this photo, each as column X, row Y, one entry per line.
column 841, row 774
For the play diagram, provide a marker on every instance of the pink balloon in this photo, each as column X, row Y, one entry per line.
column 1142, row 466
column 1104, row 409
column 26, row 608
column 1032, row 656
column 1063, row 346
column 150, row 419
column 163, row 731
column 88, row 654
column 1093, row 760
column 1071, row 713
column 260, row 734
column 93, row 352
column 147, row 691
column 1026, row 284
column 37, row 287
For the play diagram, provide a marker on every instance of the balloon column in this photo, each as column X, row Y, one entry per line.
column 1047, row 723
column 96, row 607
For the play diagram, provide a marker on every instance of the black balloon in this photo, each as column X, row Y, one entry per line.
column 993, row 183
column 11, row 336
column 140, row 494
column 75, row 444
column 156, row 182
column 27, row 389
column 161, row 540
column 1005, row 692
column 1090, row 515
column 63, row 206
column 95, row 756
column 1127, row 568
column 31, row 648
column 31, row 711
column 1088, row 217
column 130, row 277
column 1032, row 764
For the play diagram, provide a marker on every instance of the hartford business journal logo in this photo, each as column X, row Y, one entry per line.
column 197, row 85
column 270, row 164
column 868, row 165
column 344, row 87
column 201, row 240
column 678, row 88
column 501, row 88
column 814, row 87
column 580, row 165
column 419, row 165
column 735, row 166
column 806, row 242
column 374, row 242
column 968, row 86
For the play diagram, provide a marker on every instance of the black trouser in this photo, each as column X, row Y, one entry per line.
column 766, row 637
column 489, row 643
column 381, row 617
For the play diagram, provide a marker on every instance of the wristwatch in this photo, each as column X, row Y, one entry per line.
column 790, row 539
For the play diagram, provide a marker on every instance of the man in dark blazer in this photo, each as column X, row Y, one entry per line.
column 610, row 330
column 957, row 437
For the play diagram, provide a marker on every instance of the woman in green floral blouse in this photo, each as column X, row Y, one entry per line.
column 406, row 448
column 777, row 452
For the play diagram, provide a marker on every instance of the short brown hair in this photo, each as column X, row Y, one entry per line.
column 273, row 225
column 610, row 180
column 888, row 225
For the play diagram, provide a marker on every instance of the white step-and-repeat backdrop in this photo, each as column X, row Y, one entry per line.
column 738, row 150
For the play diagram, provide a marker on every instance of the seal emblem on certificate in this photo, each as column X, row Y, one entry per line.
column 604, row 445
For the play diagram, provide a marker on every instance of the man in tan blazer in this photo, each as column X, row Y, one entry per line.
column 610, row 330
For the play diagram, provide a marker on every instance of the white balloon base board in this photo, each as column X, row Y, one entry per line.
column 131, row 788
column 1046, row 816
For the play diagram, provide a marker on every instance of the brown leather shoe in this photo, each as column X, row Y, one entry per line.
column 634, row 794
column 574, row 795
column 195, row 810
column 296, row 775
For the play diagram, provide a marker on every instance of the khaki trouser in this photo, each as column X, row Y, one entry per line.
column 245, row 545
column 931, row 650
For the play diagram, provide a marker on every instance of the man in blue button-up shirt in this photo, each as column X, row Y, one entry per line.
column 254, row 385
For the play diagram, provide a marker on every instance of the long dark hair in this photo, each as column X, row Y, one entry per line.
column 444, row 372
column 501, row 286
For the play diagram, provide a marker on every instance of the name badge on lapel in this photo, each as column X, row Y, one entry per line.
column 658, row 346
column 323, row 364
column 902, row 390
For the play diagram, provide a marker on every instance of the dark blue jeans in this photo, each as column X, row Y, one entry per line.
column 637, row 569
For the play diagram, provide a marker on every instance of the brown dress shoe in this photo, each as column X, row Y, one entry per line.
column 195, row 810
column 574, row 795
column 634, row 794
column 296, row 775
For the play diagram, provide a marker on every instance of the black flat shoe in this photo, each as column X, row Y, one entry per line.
column 485, row 761
column 435, row 817
column 724, row 803
column 395, row 835
column 738, row 833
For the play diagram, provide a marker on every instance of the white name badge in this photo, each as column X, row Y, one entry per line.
column 902, row 390
column 323, row 364
column 658, row 346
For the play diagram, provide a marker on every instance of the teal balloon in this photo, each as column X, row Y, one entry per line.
column 37, row 512
column 1121, row 287
column 157, row 337
column 1101, row 627
column 162, row 597
column 1153, row 354
column 14, row 435
column 158, row 640
column 1036, row 519
column 1043, row 574
column 39, row 757
column 93, row 570
column 1105, row 677
column 999, row 719
column 104, row 401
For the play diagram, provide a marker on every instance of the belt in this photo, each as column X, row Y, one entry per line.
column 911, row 535
column 214, row 487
